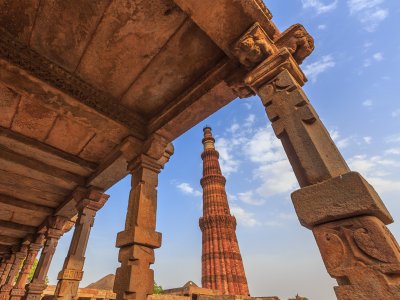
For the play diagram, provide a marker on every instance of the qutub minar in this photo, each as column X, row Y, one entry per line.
column 222, row 265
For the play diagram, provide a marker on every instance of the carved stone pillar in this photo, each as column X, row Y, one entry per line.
column 3, row 266
column 18, row 291
column 19, row 257
column 53, row 233
column 134, row 278
column 89, row 202
column 7, row 267
column 344, row 212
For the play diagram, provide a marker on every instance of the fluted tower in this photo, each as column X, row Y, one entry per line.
column 222, row 265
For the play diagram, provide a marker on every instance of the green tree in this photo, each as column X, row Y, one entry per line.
column 30, row 276
column 157, row 289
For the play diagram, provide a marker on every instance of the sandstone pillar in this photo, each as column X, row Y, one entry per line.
column 134, row 278
column 7, row 267
column 70, row 276
column 53, row 233
column 18, row 291
column 9, row 283
column 3, row 266
column 344, row 212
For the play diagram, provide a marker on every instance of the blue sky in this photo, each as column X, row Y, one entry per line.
column 353, row 84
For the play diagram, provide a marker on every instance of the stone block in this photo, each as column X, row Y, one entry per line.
column 337, row 198
column 139, row 236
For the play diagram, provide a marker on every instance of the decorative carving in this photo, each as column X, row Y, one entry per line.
column 280, row 110
column 70, row 274
column 298, row 41
column 21, row 55
column 254, row 46
column 361, row 245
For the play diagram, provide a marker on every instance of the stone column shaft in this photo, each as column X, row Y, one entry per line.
column 134, row 278
column 9, row 283
column 18, row 290
column 7, row 268
column 72, row 272
column 53, row 233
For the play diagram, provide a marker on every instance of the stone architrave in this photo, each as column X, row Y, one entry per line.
column 54, row 230
column 89, row 202
column 18, row 291
column 19, row 257
column 344, row 212
column 134, row 278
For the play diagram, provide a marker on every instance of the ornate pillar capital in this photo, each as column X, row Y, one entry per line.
column 92, row 198
column 263, row 57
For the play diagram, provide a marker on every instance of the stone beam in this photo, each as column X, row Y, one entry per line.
column 20, row 164
column 185, row 111
column 225, row 21
column 23, row 206
column 7, row 240
column 17, row 227
column 29, row 147
column 29, row 63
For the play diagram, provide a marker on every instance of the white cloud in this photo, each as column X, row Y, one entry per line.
column 396, row 113
column 276, row 177
column 320, row 6
column 321, row 27
column 368, row 103
column 186, row 188
column 367, row 139
column 249, row 198
column 226, row 158
column 273, row 170
column 378, row 170
column 313, row 70
column 243, row 217
column 340, row 142
column 369, row 12
column 392, row 151
column 378, row 56
column 395, row 138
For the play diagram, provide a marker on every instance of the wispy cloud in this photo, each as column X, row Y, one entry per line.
column 313, row 70
column 369, row 12
column 186, row 188
column 243, row 217
column 368, row 103
column 250, row 198
column 396, row 113
column 320, row 6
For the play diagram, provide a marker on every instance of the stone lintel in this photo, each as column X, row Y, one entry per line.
column 139, row 236
column 341, row 197
column 266, row 71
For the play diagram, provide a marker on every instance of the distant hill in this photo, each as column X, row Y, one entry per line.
column 105, row 283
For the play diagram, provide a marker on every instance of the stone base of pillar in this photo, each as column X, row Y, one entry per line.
column 67, row 289
column 134, row 279
column 5, row 291
column 363, row 256
column 17, row 294
column 35, row 291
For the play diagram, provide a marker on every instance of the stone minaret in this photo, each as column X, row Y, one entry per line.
column 222, row 266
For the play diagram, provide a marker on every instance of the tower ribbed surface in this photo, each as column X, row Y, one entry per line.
column 222, row 265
